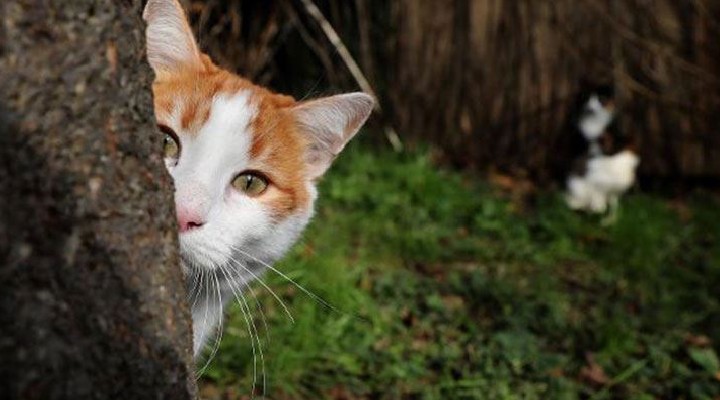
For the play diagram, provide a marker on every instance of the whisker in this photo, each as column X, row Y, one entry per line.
column 194, row 278
column 257, row 278
column 257, row 338
column 201, row 338
column 262, row 313
column 218, row 336
column 255, row 297
column 303, row 289
column 312, row 91
column 200, row 279
column 250, row 323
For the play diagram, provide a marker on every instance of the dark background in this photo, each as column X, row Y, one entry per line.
column 492, row 82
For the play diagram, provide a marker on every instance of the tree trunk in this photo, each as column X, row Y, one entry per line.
column 92, row 301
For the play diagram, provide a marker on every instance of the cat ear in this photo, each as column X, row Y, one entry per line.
column 329, row 123
column 171, row 45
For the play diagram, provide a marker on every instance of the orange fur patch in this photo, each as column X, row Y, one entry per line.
column 279, row 149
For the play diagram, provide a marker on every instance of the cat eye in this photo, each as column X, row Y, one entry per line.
column 250, row 183
column 171, row 145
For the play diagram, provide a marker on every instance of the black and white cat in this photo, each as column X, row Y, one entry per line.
column 606, row 167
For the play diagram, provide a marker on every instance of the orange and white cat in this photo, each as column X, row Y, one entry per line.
column 245, row 162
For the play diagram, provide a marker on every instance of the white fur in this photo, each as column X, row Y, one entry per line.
column 606, row 179
column 209, row 161
column 595, row 119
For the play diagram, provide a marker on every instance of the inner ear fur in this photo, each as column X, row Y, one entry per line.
column 329, row 123
column 171, row 45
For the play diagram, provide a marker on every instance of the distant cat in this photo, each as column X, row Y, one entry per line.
column 605, row 179
column 245, row 162
column 605, row 169
column 593, row 121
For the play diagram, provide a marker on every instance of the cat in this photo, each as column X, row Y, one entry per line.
column 592, row 121
column 606, row 178
column 245, row 163
column 598, row 112
column 605, row 169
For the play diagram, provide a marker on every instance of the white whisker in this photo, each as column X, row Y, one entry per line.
column 252, row 292
column 247, row 317
column 201, row 339
column 237, row 292
column 284, row 276
column 218, row 336
column 192, row 293
column 257, row 278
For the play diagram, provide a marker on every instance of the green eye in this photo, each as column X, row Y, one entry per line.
column 171, row 146
column 250, row 183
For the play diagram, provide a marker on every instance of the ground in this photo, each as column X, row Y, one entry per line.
column 443, row 286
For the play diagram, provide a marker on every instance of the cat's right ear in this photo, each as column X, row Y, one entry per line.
column 328, row 124
column 171, row 46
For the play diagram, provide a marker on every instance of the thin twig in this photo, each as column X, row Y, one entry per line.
column 335, row 40
column 352, row 66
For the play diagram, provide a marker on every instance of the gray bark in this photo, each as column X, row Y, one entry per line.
column 92, row 303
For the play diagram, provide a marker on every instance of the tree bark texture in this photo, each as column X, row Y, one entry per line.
column 492, row 82
column 92, row 301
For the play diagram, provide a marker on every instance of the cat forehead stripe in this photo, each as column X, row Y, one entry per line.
column 231, row 113
column 193, row 94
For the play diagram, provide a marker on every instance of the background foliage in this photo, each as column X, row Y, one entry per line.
column 491, row 82
column 450, row 275
column 452, row 289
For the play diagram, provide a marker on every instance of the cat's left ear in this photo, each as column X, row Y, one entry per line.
column 171, row 46
column 329, row 123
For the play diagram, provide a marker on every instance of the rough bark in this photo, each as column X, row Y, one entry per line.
column 92, row 300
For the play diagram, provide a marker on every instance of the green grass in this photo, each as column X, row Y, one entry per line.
column 449, row 289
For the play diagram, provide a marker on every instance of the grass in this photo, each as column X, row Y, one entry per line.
column 450, row 289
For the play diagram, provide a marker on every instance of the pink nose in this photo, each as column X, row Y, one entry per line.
column 188, row 219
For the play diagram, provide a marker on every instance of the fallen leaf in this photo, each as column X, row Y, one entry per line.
column 697, row 340
column 593, row 372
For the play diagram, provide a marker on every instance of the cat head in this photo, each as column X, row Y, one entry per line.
column 594, row 97
column 596, row 112
column 245, row 161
